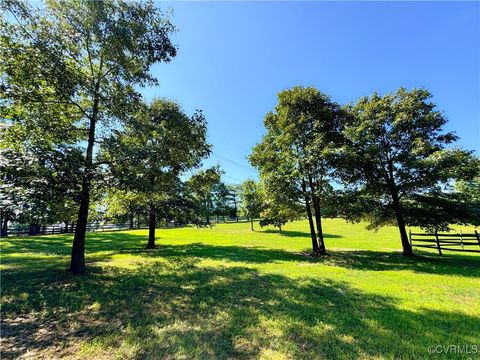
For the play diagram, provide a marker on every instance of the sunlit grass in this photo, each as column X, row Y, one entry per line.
column 227, row 292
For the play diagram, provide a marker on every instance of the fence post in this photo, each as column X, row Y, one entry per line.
column 478, row 237
column 438, row 243
column 410, row 236
column 461, row 238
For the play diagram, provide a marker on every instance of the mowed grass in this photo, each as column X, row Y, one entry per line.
column 227, row 293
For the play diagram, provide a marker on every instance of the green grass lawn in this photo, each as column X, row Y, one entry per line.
column 227, row 292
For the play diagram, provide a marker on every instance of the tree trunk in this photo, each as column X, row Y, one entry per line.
column 318, row 217
column 310, row 219
column 131, row 221
column 280, row 228
column 138, row 220
column 77, row 262
column 151, row 227
column 251, row 224
column 66, row 226
column 407, row 248
column 4, row 226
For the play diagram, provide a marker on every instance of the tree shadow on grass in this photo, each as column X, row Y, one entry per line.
column 178, row 309
column 62, row 244
column 51, row 253
column 468, row 266
column 298, row 234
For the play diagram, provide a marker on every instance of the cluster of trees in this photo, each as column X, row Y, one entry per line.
column 385, row 160
column 78, row 140
column 74, row 125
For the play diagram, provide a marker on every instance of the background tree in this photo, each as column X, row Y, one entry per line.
column 151, row 152
column 84, row 59
column 39, row 177
column 252, row 200
column 396, row 161
column 233, row 198
column 122, row 205
column 278, row 214
column 221, row 200
column 200, row 190
column 296, row 155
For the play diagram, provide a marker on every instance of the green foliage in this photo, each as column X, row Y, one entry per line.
column 252, row 199
column 148, row 155
column 70, row 70
column 297, row 155
column 199, row 189
column 277, row 214
column 39, row 179
column 398, row 162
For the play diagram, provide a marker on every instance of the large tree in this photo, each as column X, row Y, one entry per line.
column 153, row 150
column 398, row 159
column 296, row 155
column 84, row 59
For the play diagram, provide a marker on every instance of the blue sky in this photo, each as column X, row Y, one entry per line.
column 234, row 58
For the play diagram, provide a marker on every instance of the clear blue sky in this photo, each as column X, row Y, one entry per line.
column 234, row 58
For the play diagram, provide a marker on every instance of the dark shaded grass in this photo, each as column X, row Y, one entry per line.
column 173, row 307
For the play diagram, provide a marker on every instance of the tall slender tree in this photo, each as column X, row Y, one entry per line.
column 81, row 58
column 296, row 155
column 252, row 200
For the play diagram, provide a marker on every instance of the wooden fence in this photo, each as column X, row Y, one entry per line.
column 62, row 229
column 447, row 242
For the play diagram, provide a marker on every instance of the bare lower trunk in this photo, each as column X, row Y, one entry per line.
column 280, row 228
column 151, row 227
column 251, row 224
column 131, row 221
column 310, row 218
column 77, row 262
column 407, row 248
column 318, row 217
column 4, row 225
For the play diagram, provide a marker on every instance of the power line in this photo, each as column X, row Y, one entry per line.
column 224, row 158
column 231, row 177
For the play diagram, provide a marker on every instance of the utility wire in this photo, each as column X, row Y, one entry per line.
column 224, row 158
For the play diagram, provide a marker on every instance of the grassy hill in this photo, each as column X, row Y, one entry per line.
column 227, row 292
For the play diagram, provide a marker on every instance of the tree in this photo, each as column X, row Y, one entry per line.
column 296, row 155
column 396, row 161
column 200, row 190
column 252, row 200
column 151, row 151
column 39, row 178
column 82, row 59
column 278, row 214
column 221, row 200
column 122, row 205
column 233, row 198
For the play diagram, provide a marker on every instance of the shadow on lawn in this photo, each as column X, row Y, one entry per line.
column 298, row 234
column 178, row 309
column 30, row 253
